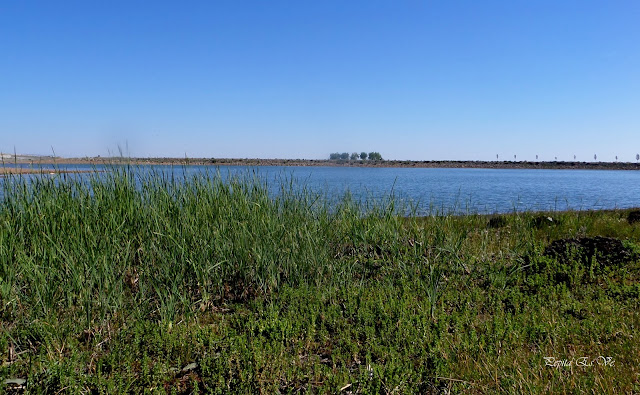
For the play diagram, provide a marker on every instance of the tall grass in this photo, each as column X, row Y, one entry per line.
column 155, row 243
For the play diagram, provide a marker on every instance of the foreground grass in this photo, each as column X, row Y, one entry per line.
column 213, row 286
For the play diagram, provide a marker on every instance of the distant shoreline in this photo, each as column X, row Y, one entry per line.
column 8, row 170
column 37, row 161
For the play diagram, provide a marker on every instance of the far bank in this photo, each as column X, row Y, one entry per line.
column 48, row 160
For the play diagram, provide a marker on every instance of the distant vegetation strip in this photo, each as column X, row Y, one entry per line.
column 339, row 162
column 133, row 282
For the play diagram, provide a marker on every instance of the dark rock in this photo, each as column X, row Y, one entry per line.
column 497, row 222
column 541, row 221
column 634, row 216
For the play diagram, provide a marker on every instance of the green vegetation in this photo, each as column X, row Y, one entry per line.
column 355, row 156
column 211, row 286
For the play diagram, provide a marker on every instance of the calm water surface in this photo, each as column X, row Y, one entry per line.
column 430, row 191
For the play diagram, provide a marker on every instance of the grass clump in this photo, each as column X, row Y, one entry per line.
column 135, row 281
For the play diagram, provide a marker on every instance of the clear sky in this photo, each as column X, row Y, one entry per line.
column 411, row 79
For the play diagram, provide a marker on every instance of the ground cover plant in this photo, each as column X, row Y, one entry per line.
column 132, row 282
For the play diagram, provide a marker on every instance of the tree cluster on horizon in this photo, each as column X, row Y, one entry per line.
column 355, row 156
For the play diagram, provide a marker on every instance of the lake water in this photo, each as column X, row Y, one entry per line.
column 431, row 191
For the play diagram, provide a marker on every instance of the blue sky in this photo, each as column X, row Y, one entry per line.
column 411, row 79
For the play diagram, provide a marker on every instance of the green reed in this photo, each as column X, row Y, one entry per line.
column 167, row 245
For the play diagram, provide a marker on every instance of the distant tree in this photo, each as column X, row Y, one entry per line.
column 637, row 157
column 514, row 157
column 496, row 156
column 556, row 158
column 334, row 156
column 375, row 156
column 595, row 157
column 363, row 155
column 616, row 158
column 574, row 157
column 354, row 156
column 536, row 156
column 344, row 156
